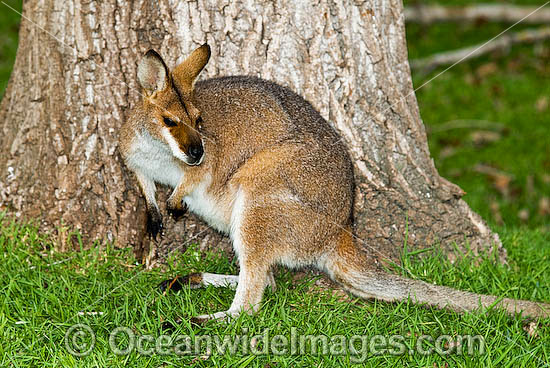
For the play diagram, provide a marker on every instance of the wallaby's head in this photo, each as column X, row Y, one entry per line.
column 170, row 115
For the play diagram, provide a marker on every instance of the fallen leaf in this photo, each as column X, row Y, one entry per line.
column 523, row 215
column 541, row 50
column 514, row 65
column 544, row 206
column 486, row 69
column 501, row 180
column 496, row 89
column 446, row 152
column 91, row 313
column 530, row 185
column 253, row 342
column 482, row 137
column 470, row 79
column 455, row 173
column 532, row 329
column 199, row 358
column 542, row 103
column 502, row 184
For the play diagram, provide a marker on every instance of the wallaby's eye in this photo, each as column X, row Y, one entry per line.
column 169, row 122
column 199, row 123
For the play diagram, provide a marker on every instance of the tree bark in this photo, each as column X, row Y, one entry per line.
column 75, row 78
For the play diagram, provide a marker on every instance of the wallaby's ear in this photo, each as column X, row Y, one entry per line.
column 152, row 73
column 187, row 72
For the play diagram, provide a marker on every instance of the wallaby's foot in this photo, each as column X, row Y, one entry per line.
column 154, row 224
column 201, row 320
column 198, row 280
column 221, row 316
column 246, row 299
column 176, row 211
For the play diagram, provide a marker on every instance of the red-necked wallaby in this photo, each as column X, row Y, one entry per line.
column 257, row 162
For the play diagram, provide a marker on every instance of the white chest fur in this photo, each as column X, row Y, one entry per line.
column 154, row 159
column 201, row 202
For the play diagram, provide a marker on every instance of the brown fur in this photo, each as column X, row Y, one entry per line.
column 281, row 183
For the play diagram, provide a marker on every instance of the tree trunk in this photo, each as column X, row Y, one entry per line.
column 75, row 79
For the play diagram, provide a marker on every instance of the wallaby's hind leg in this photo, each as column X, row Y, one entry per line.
column 253, row 279
column 198, row 280
column 250, row 239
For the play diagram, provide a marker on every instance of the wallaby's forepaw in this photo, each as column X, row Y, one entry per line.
column 154, row 224
column 193, row 281
column 177, row 212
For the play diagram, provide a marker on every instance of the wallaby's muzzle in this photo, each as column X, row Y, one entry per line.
column 196, row 153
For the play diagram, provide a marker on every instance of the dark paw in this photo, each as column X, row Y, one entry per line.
column 177, row 283
column 154, row 224
column 177, row 213
column 174, row 284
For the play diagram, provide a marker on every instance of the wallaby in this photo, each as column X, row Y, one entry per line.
column 259, row 163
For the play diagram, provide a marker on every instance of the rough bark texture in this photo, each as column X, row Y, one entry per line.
column 60, row 115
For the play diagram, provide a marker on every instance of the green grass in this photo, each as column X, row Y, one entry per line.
column 503, row 94
column 9, row 27
column 43, row 291
column 42, row 303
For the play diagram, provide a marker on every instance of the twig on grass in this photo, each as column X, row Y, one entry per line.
column 428, row 14
column 449, row 57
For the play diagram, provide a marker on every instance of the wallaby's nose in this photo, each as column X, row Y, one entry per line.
column 196, row 152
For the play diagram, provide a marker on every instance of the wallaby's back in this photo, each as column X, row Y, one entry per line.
column 247, row 115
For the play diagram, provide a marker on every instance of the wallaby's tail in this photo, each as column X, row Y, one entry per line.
column 348, row 266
